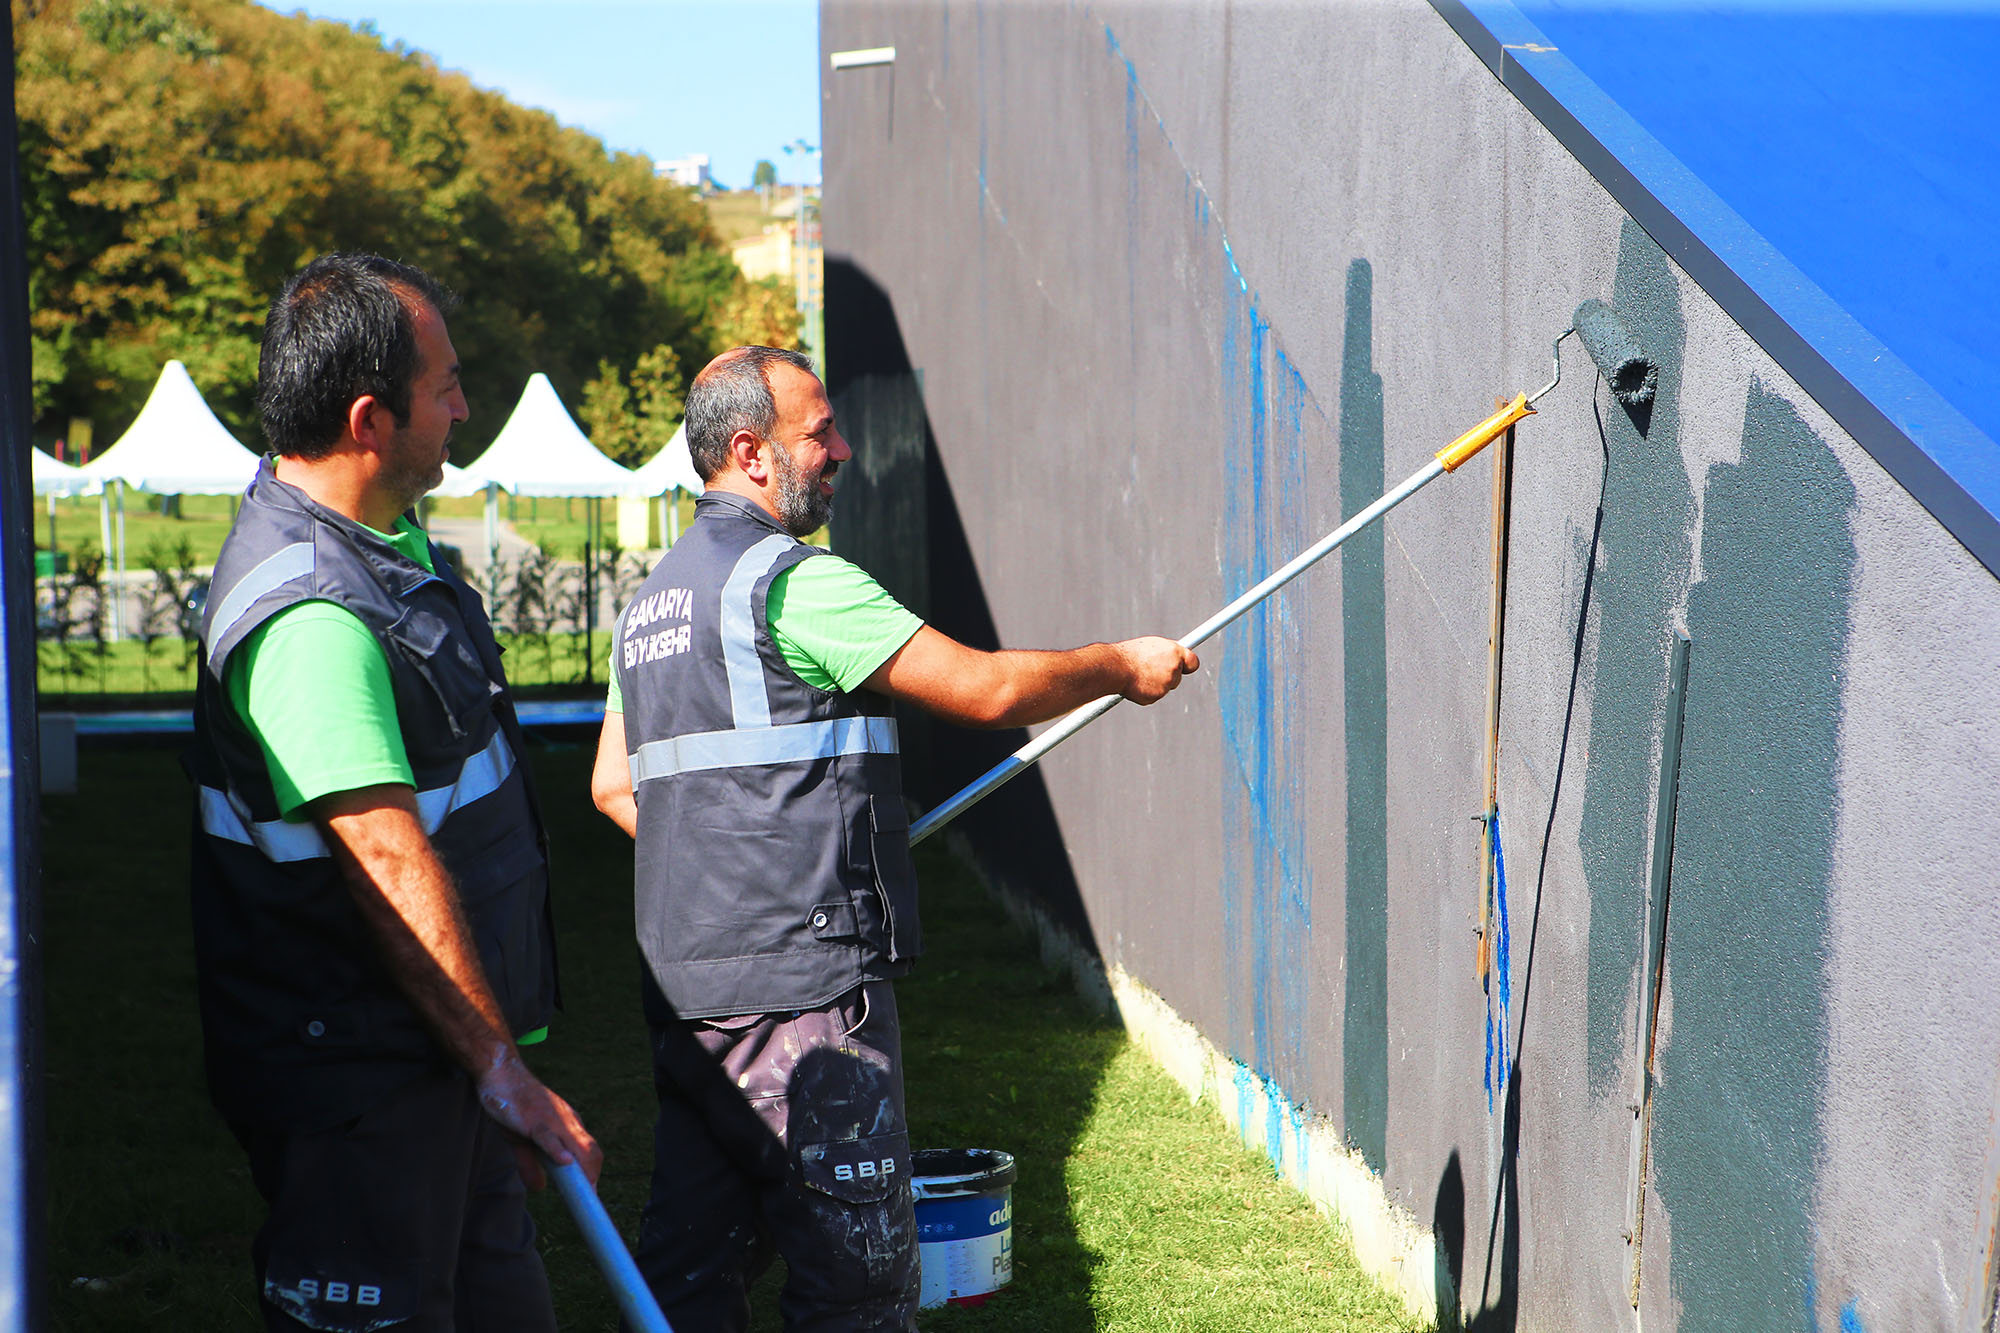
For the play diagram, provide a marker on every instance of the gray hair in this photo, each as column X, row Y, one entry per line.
column 733, row 393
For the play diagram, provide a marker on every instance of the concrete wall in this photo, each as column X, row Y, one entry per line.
column 1126, row 304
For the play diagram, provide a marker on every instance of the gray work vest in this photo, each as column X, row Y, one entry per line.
column 302, row 1024
column 773, row 862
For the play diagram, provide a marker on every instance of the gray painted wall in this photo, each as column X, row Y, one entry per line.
column 1127, row 303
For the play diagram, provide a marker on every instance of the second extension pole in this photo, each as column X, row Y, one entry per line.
column 1448, row 459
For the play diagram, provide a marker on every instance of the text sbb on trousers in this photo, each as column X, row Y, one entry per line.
column 782, row 1133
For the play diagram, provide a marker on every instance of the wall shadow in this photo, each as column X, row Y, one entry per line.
column 900, row 520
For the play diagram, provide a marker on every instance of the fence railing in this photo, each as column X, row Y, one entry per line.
column 553, row 614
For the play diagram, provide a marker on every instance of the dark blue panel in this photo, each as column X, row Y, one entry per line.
column 1827, row 177
column 1861, row 145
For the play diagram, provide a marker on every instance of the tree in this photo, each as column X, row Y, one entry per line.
column 630, row 417
column 179, row 158
column 762, row 313
column 764, row 177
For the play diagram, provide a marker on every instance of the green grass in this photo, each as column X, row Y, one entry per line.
column 737, row 214
column 204, row 523
column 1134, row 1210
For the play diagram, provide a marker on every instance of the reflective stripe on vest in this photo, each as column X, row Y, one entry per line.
column 224, row 816
column 794, row 742
column 748, row 702
column 271, row 573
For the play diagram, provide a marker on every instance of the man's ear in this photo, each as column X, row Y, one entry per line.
column 748, row 453
column 369, row 421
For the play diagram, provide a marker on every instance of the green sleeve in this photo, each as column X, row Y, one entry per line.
column 313, row 686
column 834, row 624
column 614, row 697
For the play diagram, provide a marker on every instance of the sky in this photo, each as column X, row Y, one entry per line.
column 736, row 79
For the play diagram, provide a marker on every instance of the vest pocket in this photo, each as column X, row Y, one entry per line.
column 865, row 1170
column 444, row 660
column 833, row 921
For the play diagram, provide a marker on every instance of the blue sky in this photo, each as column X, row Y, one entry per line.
column 736, row 79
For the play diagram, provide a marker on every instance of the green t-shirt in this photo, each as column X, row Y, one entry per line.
column 833, row 624
column 312, row 662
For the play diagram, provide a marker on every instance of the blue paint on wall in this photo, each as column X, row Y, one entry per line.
column 1267, row 895
column 1850, row 1318
column 1500, row 993
column 1365, row 698
column 1737, row 1126
column 1645, row 551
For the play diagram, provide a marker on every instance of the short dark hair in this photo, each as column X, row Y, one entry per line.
column 345, row 325
column 733, row 393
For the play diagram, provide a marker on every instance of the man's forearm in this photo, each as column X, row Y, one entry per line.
column 1032, row 685
column 410, row 903
column 1015, row 688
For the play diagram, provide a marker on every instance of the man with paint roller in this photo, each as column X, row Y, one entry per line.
column 370, row 877
column 748, row 748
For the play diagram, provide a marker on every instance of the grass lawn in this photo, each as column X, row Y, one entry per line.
column 736, row 214
column 1134, row 1210
column 204, row 522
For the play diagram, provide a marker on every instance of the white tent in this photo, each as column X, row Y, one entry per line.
column 454, row 482
column 55, row 477
column 540, row 452
column 176, row 447
column 669, row 470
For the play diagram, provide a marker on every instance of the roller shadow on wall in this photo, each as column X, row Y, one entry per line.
column 899, row 520
column 1497, row 1306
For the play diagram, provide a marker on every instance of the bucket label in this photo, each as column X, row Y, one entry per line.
column 963, row 1218
column 965, row 1246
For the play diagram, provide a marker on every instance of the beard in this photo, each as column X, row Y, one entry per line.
column 415, row 470
column 801, row 507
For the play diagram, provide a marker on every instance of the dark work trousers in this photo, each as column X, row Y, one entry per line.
column 411, row 1216
column 782, row 1133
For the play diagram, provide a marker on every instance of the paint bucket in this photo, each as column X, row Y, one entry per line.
column 965, row 1223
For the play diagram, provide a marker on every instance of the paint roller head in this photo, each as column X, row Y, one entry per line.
column 1627, row 369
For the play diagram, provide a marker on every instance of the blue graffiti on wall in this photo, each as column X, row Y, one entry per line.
column 1500, row 994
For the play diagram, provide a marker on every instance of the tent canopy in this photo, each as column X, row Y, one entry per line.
column 454, row 482
column 176, row 447
column 669, row 469
column 540, row 451
column 55, row 477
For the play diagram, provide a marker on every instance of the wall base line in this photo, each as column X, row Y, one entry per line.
column 1307, row 1150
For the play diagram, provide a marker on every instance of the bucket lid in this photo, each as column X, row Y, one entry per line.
column 948, row 1173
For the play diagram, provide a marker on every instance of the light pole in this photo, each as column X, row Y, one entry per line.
column 805, row 253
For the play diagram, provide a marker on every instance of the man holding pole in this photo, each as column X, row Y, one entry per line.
column 748, row 748
column 370, row 875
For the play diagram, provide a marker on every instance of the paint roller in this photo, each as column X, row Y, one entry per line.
column 1632, row 377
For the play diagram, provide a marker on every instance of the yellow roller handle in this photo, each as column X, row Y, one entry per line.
column 1487, row 431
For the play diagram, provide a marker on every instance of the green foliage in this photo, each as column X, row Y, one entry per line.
column 120, row 25
column 630, row 417
column 764, row 174
column 179, row 158
column 762, row 314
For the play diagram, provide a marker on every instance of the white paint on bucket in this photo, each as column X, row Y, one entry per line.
column 965, row 1223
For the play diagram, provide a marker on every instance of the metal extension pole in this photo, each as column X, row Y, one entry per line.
column 1449, row 458
column 635, row 1298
